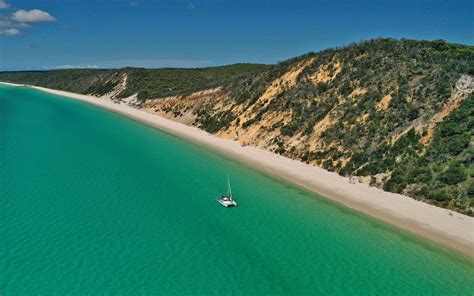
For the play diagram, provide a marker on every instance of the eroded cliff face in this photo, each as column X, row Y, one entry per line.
column 462, row 89
column 185, row 109
column 397, row 114
column 365, row 114
column 258, row 126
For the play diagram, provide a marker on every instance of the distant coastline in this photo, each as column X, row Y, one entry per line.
column 445, row 227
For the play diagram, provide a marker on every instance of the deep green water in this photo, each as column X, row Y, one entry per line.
column 92, row 202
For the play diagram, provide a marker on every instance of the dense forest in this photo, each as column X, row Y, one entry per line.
column 396, row 114
column 146, row 83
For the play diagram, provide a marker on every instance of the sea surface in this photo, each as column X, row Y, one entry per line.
column 94, row 203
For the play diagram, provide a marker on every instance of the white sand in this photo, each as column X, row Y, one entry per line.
column 448, row 228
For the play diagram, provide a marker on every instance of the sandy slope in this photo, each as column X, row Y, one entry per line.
column 448, row 228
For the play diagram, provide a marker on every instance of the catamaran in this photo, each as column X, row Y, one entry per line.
column 227, row 200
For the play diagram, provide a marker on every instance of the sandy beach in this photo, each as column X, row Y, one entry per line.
column 448, row 228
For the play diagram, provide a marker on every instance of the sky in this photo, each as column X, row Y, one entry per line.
column 56, row 34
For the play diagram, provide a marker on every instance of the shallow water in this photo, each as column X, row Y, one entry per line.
column 92, row 202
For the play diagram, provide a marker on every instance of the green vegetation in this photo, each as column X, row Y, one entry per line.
column 75, row 80
column 158, row 83
column 362, row 138
column 441, row 174
column 418, row 75
column 147, row 83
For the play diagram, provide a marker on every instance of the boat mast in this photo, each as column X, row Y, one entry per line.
column 228, row 185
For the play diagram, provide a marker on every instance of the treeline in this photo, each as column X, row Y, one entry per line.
column 362, row 137
column 418, row 77
column 147, row 83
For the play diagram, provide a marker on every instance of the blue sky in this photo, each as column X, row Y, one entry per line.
column 52, row 34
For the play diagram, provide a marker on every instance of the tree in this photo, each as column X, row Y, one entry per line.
column 470, row 189
column 454, row 174
column 439, row 195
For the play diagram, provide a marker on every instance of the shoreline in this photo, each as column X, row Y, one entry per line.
column 445, row 227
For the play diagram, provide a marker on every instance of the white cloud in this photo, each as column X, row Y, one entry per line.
column 77, row 67
column 155, row 63
column 10, row 32
column 32, row 16
column 139, row 63
column 6, row 24
column 4, row 4
column 9, row 28
column 10, row 24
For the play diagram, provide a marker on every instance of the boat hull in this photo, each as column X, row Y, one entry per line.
column 227, row 203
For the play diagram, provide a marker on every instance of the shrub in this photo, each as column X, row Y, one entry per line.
column 439, row 195
column 470, row 189
column 454, row 174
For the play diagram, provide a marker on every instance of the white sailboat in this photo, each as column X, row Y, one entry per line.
column 227, row 200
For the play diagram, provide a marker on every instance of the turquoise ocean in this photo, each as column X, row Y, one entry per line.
column 92, row 202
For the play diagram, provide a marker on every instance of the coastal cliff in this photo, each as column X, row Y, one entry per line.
column 395, row 114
